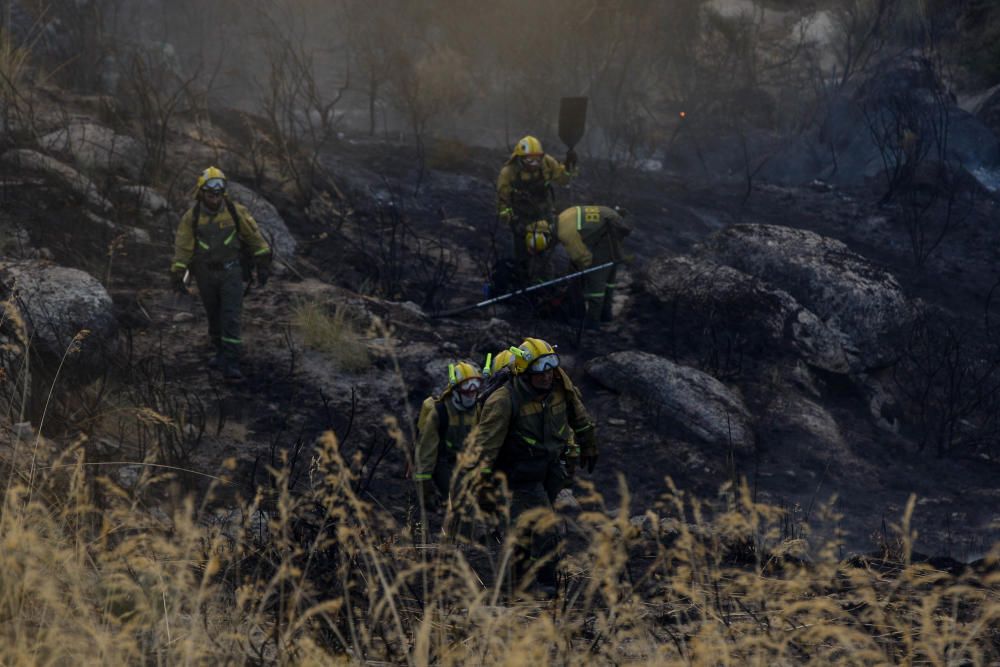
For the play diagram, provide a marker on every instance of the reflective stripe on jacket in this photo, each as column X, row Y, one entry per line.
column 528, row 194
column 523, row 444
column 219, row 238
column 581, row 228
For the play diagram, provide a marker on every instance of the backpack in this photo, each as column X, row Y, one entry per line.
column 442, row 417
column 493, row 382
column 246, row 255
column 505, row 376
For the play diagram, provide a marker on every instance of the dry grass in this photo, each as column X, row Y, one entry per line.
column 19, row 77
column 14, row 65
column 316, row 571
column 89, row 576
column 338, row 336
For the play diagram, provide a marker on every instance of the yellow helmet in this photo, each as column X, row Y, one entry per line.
column 534, row 355
column 462, row 372
column 212, row 179
column 498, row 362
column 528, row 147
column 537, row 236
column 464, row 383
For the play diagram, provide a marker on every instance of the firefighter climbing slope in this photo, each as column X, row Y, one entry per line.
column 444, row 423
column 219, row 243
column 526, row 424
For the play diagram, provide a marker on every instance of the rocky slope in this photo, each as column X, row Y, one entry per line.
column 760, row 337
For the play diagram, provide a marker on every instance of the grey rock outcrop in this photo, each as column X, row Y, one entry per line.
column 64, row 314
column 94, row 146
column 704, row 296
column 146, row 199
column 906, row 83
column 59, row 172
column 271, row 224
column 802, row 433
column 846, row 291
column 695, row 403
column 988, row 111
column 134, row 234
column 436, row 371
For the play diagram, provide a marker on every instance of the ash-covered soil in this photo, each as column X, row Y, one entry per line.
column 818, row 442
column 392, row 254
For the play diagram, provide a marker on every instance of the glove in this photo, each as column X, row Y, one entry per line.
column 177, row 282
column 570, row 160
column 588, row 448
column 572, row 463
column 263, row 269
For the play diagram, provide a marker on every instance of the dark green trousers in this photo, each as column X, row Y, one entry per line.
column 221, row 290
column 537, row 545
column 598, row 287
column 443, row 470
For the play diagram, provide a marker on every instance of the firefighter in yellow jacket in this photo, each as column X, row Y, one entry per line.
column 525, row 194
column 444, row 423
column 525, row 426
column 593, row 235
column 219, row 243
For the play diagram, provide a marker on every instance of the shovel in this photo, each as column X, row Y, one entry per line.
column 572, row 120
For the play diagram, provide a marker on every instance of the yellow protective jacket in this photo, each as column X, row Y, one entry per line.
column 528, row 194
column 219, row 239
column 522, row 433
column 581, row 228
column 429, row 443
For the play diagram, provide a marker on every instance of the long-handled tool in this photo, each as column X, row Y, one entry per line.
column 525, row 290
column 572, row 125
column 572, row 120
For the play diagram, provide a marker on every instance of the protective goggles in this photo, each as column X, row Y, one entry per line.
column 470, row 386
column 214, row 185
column 545, row 363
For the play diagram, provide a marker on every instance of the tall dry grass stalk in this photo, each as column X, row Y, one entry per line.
column 14, row 67
column 71, row 349
column 11, row 320
column 87, row 575
column 19, row 76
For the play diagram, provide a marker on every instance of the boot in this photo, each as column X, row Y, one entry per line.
column 607, row 308
column 215, row 361
column 607, row 314
column 231, row 371
column 592, row 320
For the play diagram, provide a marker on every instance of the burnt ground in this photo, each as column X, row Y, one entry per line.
column 443, row 242
column 872, row 471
